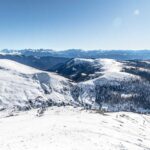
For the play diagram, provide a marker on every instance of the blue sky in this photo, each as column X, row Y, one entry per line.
column 65, row 24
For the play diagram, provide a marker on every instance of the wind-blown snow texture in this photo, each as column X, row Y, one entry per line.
column 67, row 128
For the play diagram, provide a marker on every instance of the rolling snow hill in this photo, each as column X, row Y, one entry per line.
column 23, row 87
column 67, row 128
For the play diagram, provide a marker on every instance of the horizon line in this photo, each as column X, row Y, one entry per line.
column 12, row 49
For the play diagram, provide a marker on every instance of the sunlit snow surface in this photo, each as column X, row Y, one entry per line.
column 67, row 128
column 20, row 83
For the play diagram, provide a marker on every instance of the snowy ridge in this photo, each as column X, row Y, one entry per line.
column 16, row 67
column 83, row 60
column 110, row 69
column 80, row 69
column 22, row 86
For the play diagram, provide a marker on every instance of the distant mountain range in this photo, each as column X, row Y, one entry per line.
column 78, row 53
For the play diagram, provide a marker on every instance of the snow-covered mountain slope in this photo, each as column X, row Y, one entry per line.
column 108, row 83
column 80, row 69
column 66, row 128
column 23, row 87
